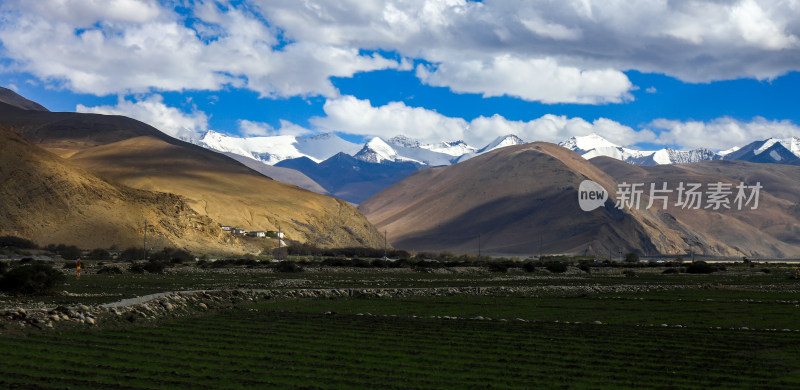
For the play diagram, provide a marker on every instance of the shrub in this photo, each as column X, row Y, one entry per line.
column 154, row 267
column 71, row 252
column 700, row 267
column 628, row 273
column 529, row 266
column 585, row 267
column 3, row 267
column 670, row 271
column 131, row 254
column 556, row 267
column 98, row 254
column 172, row 255
column 136, row 268
column 288, row 266
column 631, row 257
column 111, row 270
column 17, row 242
column 37, row 278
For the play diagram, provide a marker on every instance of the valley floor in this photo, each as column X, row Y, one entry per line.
column 459, row 328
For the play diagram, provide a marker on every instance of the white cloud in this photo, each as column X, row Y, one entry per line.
column 565, row 51
column 351, row 115
column 530, row 79
column 721, row 133
column 129, row 46
column 260, row 129
column 154, row 112
column 651, row 89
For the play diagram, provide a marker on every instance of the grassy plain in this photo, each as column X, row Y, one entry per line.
column 738, row 328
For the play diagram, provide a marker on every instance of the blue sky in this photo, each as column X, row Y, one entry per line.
column 681, row 74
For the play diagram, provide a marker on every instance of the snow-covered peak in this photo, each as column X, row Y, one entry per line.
column 792, row 144
column 273, row 149
column 454, row 148
column 501, row 142
column 401, row 140
column 587, row 142
column 728, row 151
column 378, row 151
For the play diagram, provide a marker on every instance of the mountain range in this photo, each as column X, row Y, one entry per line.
column 92, row 180
column 119, row 165
column 328, row 164
column 523, row 200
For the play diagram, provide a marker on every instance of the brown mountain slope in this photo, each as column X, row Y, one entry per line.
column 520, row 199
column 771, row 230
column 65, row 133
column 12, row 98
column 51, row 201
column 137, row 155
column 516, row 196
column 226, row 191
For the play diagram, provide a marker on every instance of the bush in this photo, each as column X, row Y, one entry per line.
column 629, row 274
column 3, row 267
column 670, row 271
column 172, row 255
column 556, row 267
column 136, row 268
column 17, row 242
column 131, row 254
column 631, row 257
column 38, row 278
column 700, row 267
column 288, row 266
column 98, row 254
column 154, row 267
column 111, row 270
column 529, row 266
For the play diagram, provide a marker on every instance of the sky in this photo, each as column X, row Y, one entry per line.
column 683, row 74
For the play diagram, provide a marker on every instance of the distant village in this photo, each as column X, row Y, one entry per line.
column 255, row 233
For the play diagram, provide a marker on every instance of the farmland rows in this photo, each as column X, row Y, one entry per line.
column 300, row 349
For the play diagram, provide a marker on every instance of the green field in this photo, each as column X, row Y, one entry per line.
column 734, row 329
column 294, row 344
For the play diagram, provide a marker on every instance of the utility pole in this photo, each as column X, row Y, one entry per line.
column 384, row 245
column 479, row 246
column 144, row 247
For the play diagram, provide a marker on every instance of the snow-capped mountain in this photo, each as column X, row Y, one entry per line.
column 672, row 156
column 455, row 148
column 772, row 150
column 378, row 151
column 594, row 145
column 501, row 142
column 273, row 149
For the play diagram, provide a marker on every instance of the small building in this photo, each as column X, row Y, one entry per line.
column 257, row 233
column 226, row 228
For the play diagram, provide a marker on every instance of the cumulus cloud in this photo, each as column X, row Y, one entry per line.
column 351, row 115
column 154, row 112
column 260, row 129
column 530, row 79
column 556, row 52
column 137, row 46
column 721, row 133
column 697, row 41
